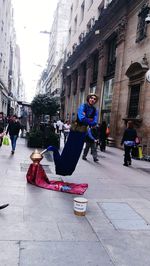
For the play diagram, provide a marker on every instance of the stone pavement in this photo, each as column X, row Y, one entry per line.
column 39, row 227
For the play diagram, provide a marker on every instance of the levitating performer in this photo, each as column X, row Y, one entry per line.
column 66, row 162
column 87, row 116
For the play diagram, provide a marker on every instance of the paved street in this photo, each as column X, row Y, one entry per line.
column 39, row 227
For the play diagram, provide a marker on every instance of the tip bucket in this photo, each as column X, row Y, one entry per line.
column 80, row 206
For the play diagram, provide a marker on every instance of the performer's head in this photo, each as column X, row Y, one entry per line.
column 92, row 98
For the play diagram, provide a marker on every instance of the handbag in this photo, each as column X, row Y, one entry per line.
column 5, row 140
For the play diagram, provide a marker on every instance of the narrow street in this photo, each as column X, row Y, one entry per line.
column 39, row 228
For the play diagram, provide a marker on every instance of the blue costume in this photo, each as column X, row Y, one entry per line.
column 66, row 162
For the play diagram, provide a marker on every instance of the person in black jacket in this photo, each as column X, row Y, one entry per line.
column 13, row 129
column 2, row 127
column 102, row 136
column 128, row 140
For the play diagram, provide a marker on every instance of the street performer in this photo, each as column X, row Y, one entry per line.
column 87, row 116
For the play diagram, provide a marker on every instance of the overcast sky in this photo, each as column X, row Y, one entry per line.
column 31, row 17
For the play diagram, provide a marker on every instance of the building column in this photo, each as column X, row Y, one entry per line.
column 79, row 83
column 100, row 77
column 88, row 74
column 116, row 120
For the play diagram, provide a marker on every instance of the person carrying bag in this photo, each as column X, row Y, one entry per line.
column 128, row 140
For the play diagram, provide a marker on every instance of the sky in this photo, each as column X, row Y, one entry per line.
column 31, row 17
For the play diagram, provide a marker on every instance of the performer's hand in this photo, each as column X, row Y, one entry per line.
column 50, row 148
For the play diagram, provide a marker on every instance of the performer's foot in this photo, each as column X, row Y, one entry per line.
column 12, row 152
column 96, row 160
column 3, row 206
column 125, row 164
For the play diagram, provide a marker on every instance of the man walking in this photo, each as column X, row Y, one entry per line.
column 13, row 129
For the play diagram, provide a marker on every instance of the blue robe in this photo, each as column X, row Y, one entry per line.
column 65, row 163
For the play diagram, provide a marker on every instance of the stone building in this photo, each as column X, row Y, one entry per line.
column 112, row 59
column 10, row 85
column 5, row 24
column 57, row 43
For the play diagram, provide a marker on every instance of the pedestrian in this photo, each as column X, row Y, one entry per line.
column 103, row 136
column 60, row 126
column 13, row 129
column 128, row 139
column 66, row 130
column 55, row 126
column 2, row 127
column 91, row 142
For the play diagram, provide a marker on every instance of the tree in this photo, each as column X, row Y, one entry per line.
column 43, row 104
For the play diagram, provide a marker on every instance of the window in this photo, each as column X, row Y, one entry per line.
column 134, row 101
column 76, row 2
column 106, row 3
column 69, row 36
column 107, row 100
column 111, row 56
column 95, row 67
column 82, row 10
column 107, row 94
column 92, row 89
column 90, row 2
column 142, row 25
column 75, row 25
column 82, row 96
column 81, row 37
column 69, row 86
column 90, row 24
column 71, row 12
column 83, row 76
column 75, row 83
column 74, row 105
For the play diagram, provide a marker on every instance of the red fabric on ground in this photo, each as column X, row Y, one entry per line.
column 37, row 176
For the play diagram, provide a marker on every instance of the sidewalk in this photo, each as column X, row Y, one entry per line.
column 39, row 227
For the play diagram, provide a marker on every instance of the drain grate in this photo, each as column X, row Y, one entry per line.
column 25, row 166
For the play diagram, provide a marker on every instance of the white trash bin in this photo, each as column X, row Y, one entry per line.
column 80, row 205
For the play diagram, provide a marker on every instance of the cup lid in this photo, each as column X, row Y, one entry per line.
column 79, row 199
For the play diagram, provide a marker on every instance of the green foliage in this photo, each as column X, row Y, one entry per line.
column 43, row 104
column 37, row 139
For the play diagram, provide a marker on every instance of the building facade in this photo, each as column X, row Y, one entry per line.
column 57, row 44
column 10, row 82
column 111, row 59
column 5, row 24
